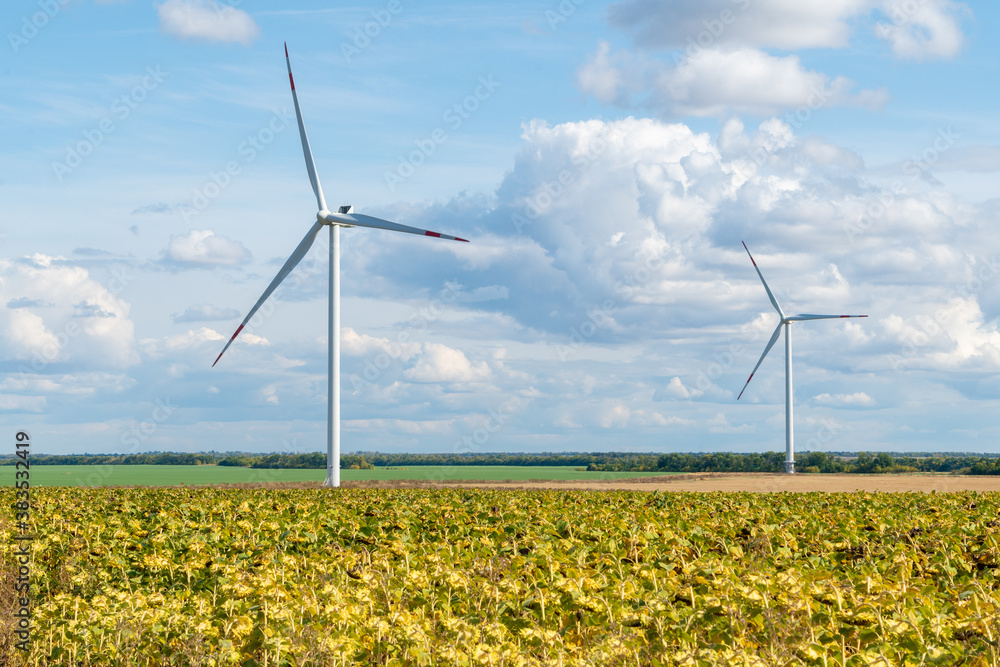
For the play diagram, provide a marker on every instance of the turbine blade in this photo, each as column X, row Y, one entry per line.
column 810, row 316
column 774, row 302
column 296, row 257
column 377, row 223
column 770, row 344
column 306, row 151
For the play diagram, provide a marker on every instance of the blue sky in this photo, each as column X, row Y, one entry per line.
column 605, row 160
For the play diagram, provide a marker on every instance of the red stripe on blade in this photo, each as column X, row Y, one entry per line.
column 462, row 240
column 237, row 333
column 286, row 49
column 434, row 234
column 291, row 80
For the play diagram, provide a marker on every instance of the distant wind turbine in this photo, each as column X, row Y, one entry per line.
column 346, row 217
column 786, row 322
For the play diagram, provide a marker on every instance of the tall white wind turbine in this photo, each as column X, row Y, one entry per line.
column 786, row 322
column 345, row 217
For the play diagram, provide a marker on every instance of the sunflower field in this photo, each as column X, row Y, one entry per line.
column 503, row 577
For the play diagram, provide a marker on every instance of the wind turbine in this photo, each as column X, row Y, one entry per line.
column 786, row 322
column 345, row 217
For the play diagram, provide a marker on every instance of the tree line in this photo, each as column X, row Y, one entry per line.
column 806, row 462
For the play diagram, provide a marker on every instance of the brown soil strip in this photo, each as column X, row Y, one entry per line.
column 754, row 482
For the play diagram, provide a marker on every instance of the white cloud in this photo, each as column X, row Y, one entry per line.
column 915, row 29
column 922, row 30
column 15, row 403
column 193, row 340
column 674, row 389
column 615, row 415
column 783, row 24
column 204, row 248
column 208, row 20
column 354, row 344
column 720, row 424
column 859, row 399
column 717, row 82
column 82, row 323
column 440, row 363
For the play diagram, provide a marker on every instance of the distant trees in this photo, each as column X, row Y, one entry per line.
column 807, row 462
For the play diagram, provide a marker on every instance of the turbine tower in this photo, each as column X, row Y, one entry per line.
column 786, row 323
column 346, row 217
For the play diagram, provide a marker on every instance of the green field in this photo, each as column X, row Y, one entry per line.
column 156, row 475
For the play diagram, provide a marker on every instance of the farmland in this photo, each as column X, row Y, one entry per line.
column 501, row 577
column 175, row 475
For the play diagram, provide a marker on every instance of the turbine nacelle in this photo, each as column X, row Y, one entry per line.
column 339, row 218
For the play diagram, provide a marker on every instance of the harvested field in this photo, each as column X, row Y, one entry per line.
column 767, row 483
column 752, row 482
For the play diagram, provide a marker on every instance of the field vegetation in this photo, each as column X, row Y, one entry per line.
column 499, row 577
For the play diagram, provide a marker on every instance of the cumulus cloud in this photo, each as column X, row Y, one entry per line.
column 915, row 29
column 440, row 363
column 720, row 424
column 193, row 340
column 354, row 344
column 856, row 400
column 923, row 30
column 674, row 389
column 757, row 23
column 203, row 248
column 82, row 323
column 716, row 82
column 208, row 20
